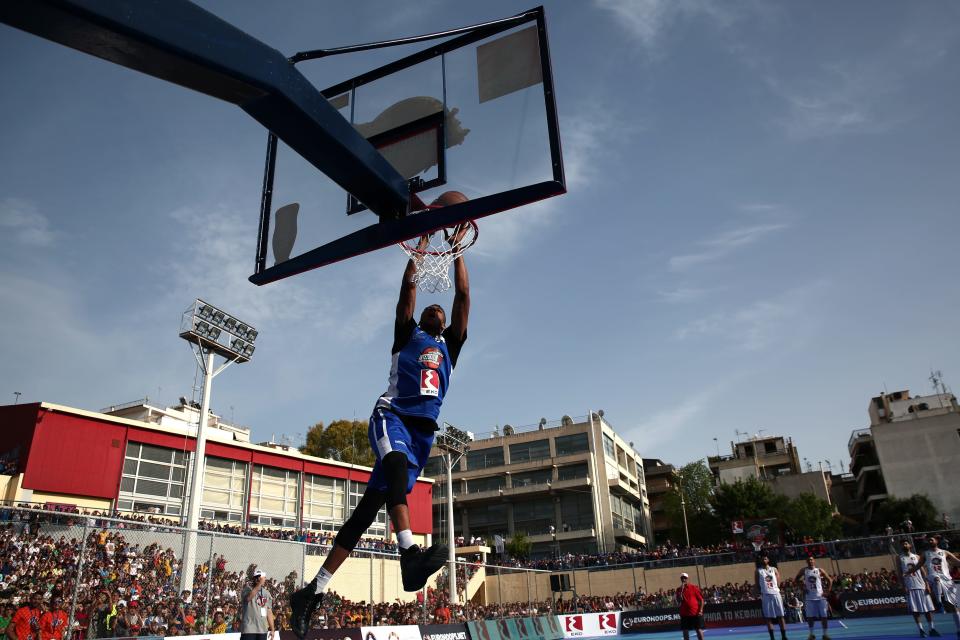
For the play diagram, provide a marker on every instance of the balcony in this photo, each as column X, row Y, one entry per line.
column 857, row 435
column 623, row 487
column 562, row 536
column 629, row 537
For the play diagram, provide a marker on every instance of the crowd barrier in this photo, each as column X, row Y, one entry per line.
column 528, row 628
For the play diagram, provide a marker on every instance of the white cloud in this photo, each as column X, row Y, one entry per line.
column 647, row 20
column 724, row 244
column 784, row 318
column 673, row 422
column 683, row 294
column 837, row 100
column 25, row 223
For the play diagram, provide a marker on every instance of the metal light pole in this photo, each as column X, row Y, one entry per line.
column 16, row 397
column 453, row 442
column 211, row 332
column 683, row 508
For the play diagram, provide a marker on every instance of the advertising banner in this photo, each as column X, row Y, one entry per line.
column 552, row 629
column 443, row 632
column 589, row 625
column 316, row 634
column 731, row 614
column 391, row 632
column 210, row 636
column 858, row 604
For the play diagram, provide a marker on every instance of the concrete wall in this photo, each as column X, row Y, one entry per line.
column 520, row 586
column 920, row 456
column 357, row 576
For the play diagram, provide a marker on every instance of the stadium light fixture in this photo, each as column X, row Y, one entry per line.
column 453, row 442
column 211, row 333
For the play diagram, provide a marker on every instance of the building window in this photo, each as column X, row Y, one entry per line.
column 485, row 458
column 273, row 497
column 568, row 445
column 323, row 502
column 487, row 521
column 153, row 479
column 608, row 447
column 576, row 511
column 531, row 478
column 572, row 472
column 224, row 490
column 534, row 517
column 379, row 527
column 770, row 447
column 435, row 466
column 526, row 451
column 479, row 485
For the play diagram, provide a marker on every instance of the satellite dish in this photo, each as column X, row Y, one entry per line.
column 507, row 430
column 566, row 421
column 600, row 413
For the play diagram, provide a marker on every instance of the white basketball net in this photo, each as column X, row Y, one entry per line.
column 433, row 261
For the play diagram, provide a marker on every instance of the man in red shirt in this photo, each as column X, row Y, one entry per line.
column 53, row 623
column 691, row 607
column 26, row 621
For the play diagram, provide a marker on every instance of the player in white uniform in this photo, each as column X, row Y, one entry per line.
column 771, row 602
column 815, row 585
column 936, row 562
column 917, row 589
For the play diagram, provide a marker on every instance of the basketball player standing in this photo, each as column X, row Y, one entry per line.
column 815, row 584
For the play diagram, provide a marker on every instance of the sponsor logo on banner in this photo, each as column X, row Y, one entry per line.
column 873, row 603
column 389, row 632
column 443, row 632
column 588, row 625
column 312, row 634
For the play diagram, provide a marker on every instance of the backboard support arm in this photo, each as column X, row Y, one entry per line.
column 221, row 61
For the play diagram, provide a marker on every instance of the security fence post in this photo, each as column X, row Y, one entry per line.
column 206, row 601
column 77, row 579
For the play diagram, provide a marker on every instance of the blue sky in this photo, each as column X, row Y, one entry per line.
column 760, row 231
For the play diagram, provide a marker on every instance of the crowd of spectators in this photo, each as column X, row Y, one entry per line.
column 130, row 583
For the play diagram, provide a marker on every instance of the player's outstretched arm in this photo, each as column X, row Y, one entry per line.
column 460, row 313
column 408, row 288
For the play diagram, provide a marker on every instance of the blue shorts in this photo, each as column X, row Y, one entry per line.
column 387, row 433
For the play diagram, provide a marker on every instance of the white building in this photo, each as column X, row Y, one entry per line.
column 912, row 446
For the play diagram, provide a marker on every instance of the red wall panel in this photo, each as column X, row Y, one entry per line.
column 75, row 455
column 161, row 439
column 226, row 451
column 420, row 502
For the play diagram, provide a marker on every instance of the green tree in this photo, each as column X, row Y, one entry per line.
column 747, row 499
column 809, row 515
column 917, row 508
column 519, row 546
column 344, row 440
column 694, row 483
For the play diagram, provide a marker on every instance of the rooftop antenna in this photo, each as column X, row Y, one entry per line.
column 740, row 433
column 936, row 377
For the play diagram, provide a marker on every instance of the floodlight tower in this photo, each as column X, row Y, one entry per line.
column 210, row 332
column 453, row 442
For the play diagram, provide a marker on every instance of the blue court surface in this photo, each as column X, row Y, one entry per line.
column 885, row 628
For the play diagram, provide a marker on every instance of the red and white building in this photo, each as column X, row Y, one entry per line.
column 138, row 458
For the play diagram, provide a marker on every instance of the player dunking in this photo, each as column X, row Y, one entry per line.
column 917, row 590
column 401, row 431
column 771, row 602
column 937, row 561
column 815, row 584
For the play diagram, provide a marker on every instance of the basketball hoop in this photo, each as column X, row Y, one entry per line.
column 433, row 261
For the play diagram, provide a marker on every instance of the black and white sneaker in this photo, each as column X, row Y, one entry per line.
column 417, row 565
column 303, row 603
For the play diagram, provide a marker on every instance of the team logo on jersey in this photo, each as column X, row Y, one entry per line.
column 429, row 383
column 431, row 358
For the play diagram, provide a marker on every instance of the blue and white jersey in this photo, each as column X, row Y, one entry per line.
column 420, row 371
